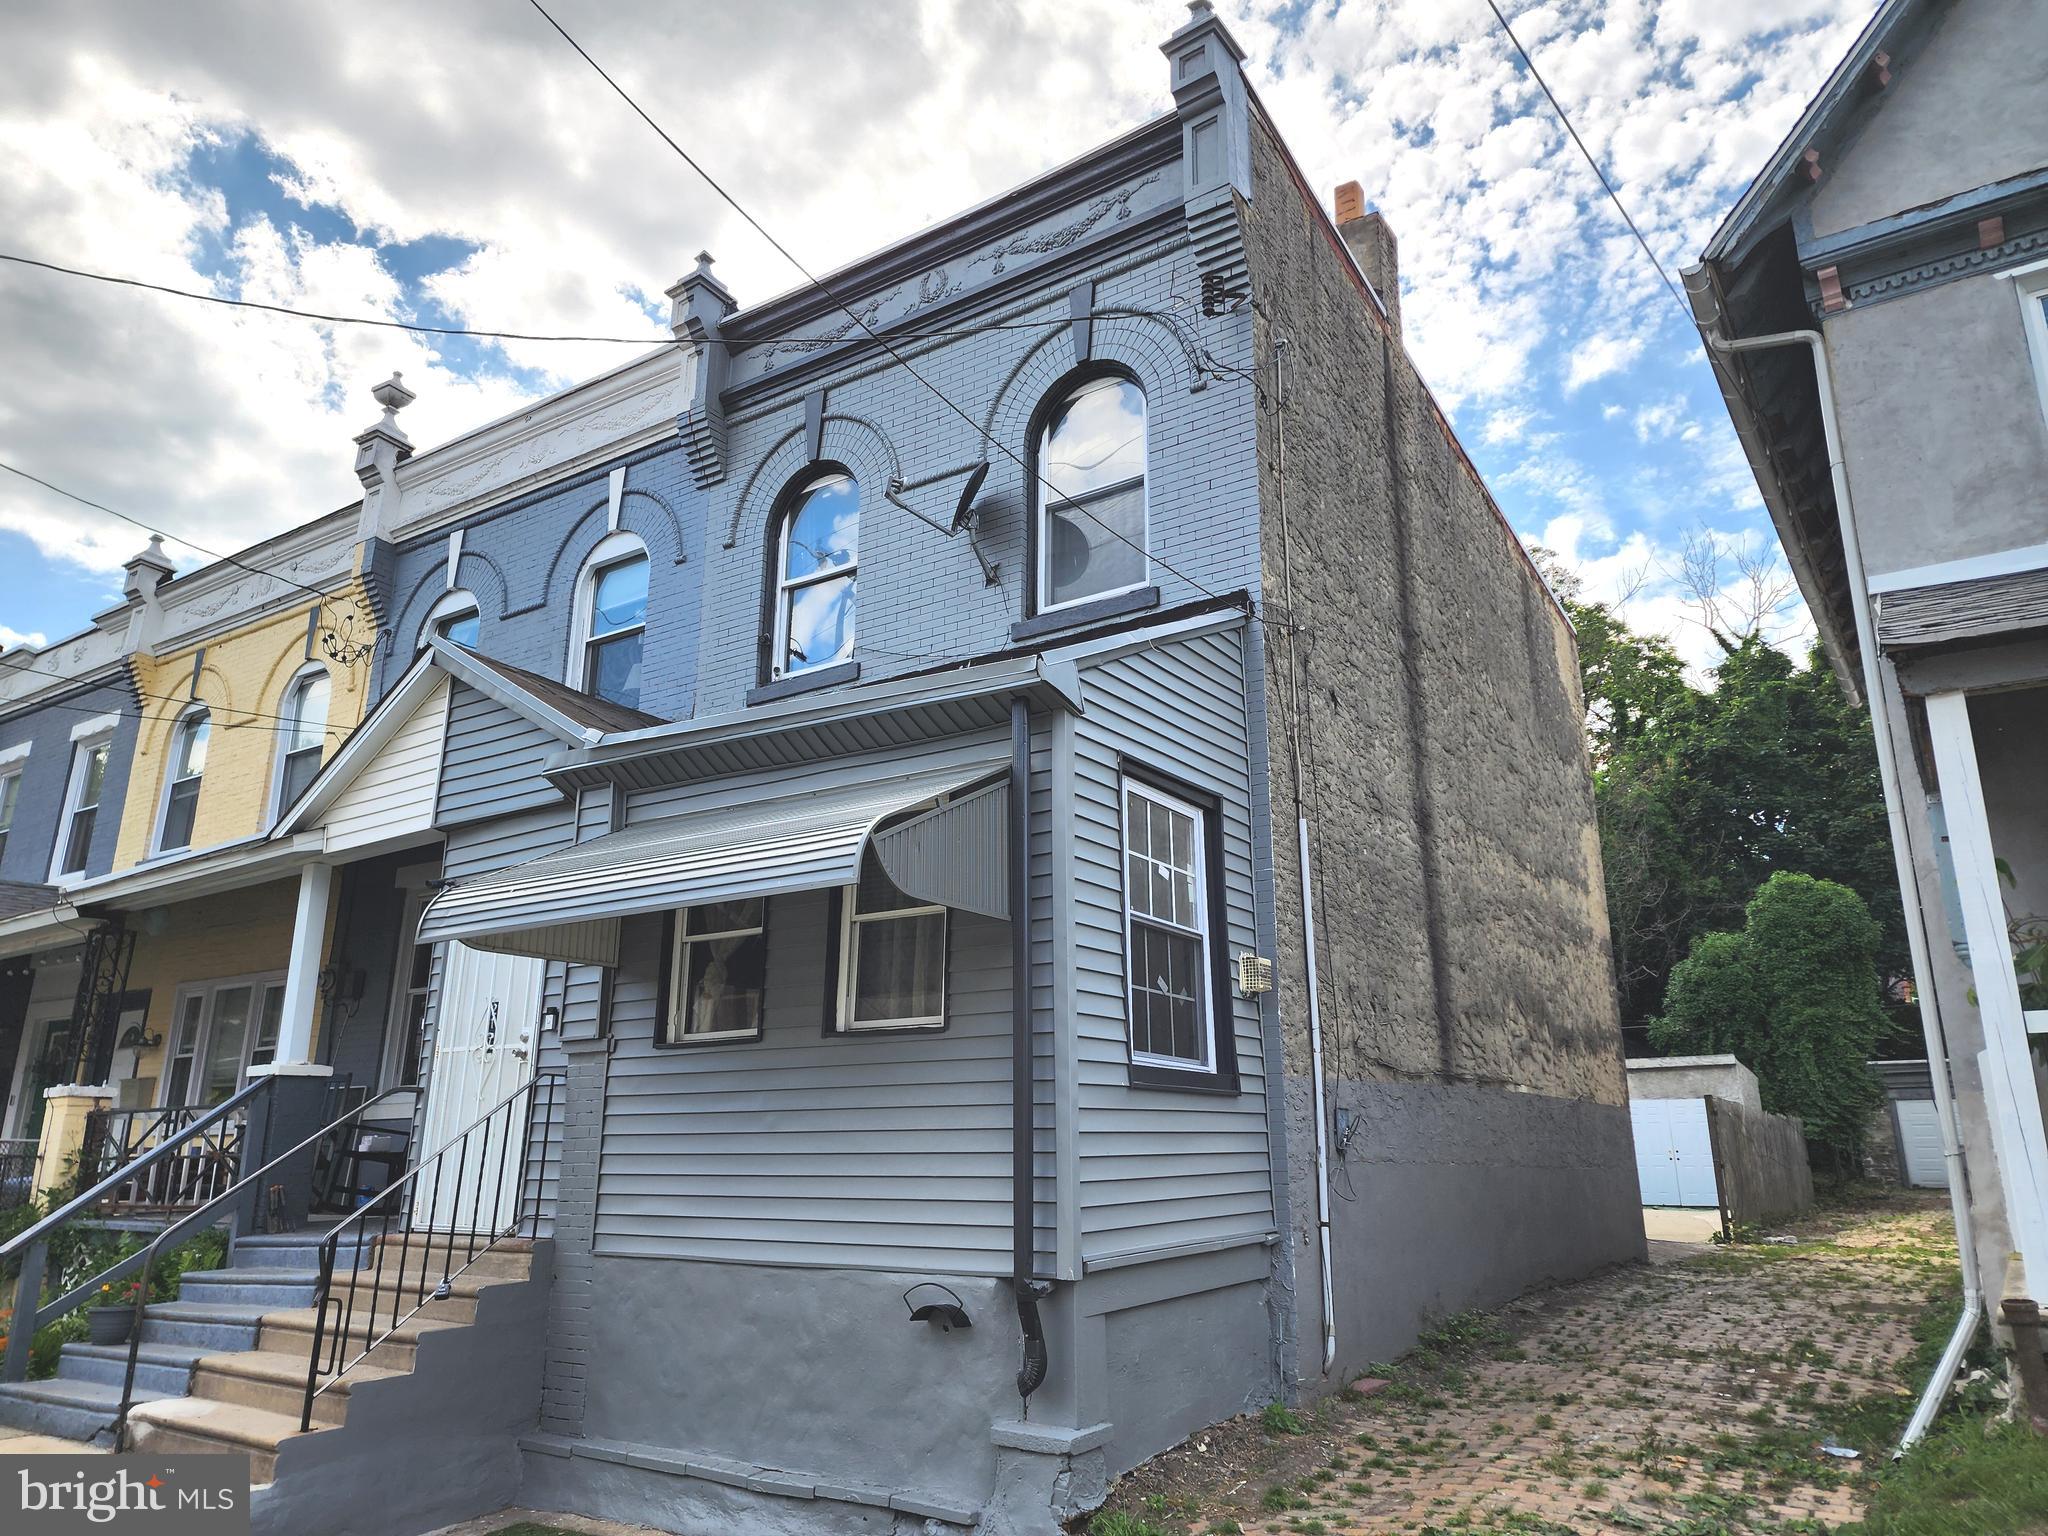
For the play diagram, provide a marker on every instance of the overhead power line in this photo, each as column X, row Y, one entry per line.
column 851, row 313
column 1613, row 196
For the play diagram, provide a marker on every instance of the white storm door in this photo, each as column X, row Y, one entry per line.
column 486, row 1029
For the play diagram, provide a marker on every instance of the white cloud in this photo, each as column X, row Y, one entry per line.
column 12, row 638
column 1599, row 357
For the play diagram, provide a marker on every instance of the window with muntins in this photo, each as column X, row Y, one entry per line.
column 304, row 734
column 220, row 1030
column 81, row 807
column 817, row 562
column 617, row 634
column 718, row 974
column 1090, row 494
column 181, row 793
column 892, row 956
column 1166, row 909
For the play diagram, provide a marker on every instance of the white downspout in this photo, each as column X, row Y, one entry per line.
column 1916, row 922
column 1315, row 1056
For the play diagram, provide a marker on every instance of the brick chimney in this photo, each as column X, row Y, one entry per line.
column 1372, row 246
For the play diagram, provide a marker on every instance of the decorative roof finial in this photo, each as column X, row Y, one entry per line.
column 394, row 397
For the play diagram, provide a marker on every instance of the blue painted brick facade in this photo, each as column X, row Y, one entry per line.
column 47, row 727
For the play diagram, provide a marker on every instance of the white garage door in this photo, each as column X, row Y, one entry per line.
column 1674, row 1152
column 1920, row 1144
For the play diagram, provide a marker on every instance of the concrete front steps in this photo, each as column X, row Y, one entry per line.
column 249, row 1398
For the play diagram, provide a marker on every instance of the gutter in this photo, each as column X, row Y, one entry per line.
column 1027, row 1288
column 1706, row 303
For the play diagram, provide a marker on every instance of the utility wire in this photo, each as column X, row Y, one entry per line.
column 140, row 693
column 1613, row 196
column 853, row 314
column 240, row 565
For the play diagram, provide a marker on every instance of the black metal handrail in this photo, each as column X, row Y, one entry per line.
column 204, row 1216
column 387, row 1204
column 33, row 1245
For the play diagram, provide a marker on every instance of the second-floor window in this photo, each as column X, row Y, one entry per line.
column 816, row 567
column 304, row 733
column 10, row 791
column 455, row 617
column 181, row 791
column 616, row 634
column 1090, row 493
column 81, row 807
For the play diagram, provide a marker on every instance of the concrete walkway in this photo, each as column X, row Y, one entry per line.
column 1667, row 1224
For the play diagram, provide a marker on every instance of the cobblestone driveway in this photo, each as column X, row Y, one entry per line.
column 1688, row 1399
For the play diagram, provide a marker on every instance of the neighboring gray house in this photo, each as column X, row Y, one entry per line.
column 1903, row 227
column 887, row 748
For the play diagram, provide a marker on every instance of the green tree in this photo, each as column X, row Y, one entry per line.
column 1795, row 996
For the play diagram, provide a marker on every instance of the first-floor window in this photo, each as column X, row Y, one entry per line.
column 219, row 1031
column 1167, row 915
column 892, row 956
column 719, row 972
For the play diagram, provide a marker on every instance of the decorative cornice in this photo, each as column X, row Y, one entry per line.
column 1929, row 263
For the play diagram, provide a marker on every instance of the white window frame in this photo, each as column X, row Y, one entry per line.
column 10, row 776
column 1199, row 852
column 413, row 890
column 849, row 978
column 459, row 603
column 74, row 785
column 259, row 985
column 1041, row 489
column 38, row 1019
column 287, row 727
column 613, row 549
column 785, row 587
column 2032, row 287
column 679, row 978
column 185, row 721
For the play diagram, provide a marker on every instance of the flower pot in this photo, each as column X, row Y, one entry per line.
column 109, row 1325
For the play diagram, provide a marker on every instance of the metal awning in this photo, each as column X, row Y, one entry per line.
column 567, row 905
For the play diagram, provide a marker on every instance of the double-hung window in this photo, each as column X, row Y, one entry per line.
column 1089, row 488
column 2032, row 285
column 219, row 1030
column 892, row 956
column 10, row 791
column 816, row 575
column 617, row 631
column 1170, row 959
column 81, row 808
column 181, row 790
column 304, row 734
column 718, row 975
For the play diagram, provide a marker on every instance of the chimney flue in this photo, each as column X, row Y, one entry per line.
column 1372, row 246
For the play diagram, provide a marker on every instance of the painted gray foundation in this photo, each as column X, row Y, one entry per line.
column 1458, row 1197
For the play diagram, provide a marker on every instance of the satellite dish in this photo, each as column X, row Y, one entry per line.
column 963, row 511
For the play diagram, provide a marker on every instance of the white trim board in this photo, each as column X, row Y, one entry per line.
column 98, row 725
column 2004, row 562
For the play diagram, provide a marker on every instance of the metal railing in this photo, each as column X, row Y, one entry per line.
column 531, row 1108
column 17, row 1171
column 31, row 1248
column 205, row 1164
column 197, row 1220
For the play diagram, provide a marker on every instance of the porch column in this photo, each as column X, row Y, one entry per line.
column 302, row 978
column 2011, row 1101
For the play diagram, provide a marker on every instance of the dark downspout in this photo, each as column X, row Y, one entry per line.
column 1031, row 1374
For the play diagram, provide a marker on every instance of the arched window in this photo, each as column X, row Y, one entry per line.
column 303, row 734
column 454, row 617
column 611, row 604
column 181, row 781
column 817, row 557
column 1090, row 491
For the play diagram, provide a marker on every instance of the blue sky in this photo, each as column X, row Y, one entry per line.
column 349, row 163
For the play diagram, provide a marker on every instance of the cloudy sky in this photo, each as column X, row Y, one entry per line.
column 456, row 164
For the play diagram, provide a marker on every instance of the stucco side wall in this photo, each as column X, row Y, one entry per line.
column 243, row 679
column 1953, row 117
column 1941, row 421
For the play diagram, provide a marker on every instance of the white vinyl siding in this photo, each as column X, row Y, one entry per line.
column 394, row 793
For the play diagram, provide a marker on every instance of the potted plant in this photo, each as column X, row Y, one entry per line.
column 109, row 1319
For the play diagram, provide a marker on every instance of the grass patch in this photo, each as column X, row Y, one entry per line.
column 1118, row 1524
column 1961, row 1481
column 1279, row 1419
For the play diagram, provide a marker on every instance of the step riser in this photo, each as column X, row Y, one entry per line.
column 392, row 1354
column 216, row 1338
column 488, row 1266
column 452, row 1309
column 65, row 1423
column 222, row 1386
column 170, row 1379
column 160, row 1441
column 300, row 1256
column 239, row 1288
